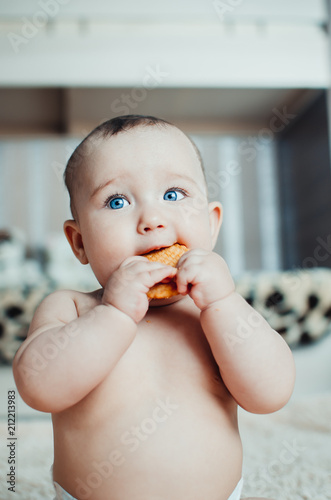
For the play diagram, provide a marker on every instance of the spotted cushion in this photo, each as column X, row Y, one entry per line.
column 297, row 304
column 17, row 307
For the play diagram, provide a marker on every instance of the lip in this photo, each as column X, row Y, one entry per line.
column 155, row 248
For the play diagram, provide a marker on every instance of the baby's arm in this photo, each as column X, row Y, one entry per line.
column 65, row 356
column 255, row 362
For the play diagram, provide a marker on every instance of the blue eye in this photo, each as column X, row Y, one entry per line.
column 174, row 195
column 117, row 202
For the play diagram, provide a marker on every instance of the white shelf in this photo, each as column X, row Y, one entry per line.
column 253, row 44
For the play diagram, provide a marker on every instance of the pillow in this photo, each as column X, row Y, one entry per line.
column 296, row 303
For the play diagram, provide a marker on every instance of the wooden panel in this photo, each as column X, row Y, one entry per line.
column 305, row 189
column 31, row 109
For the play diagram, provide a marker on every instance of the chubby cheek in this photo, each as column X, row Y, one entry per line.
column 197, row 231
column 106, row 249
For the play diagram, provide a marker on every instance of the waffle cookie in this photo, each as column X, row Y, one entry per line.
column 169, row 256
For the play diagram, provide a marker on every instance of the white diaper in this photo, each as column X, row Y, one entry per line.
column 61, row 494
column 235, row 495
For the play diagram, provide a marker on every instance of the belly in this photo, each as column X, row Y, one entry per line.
column 172, row 446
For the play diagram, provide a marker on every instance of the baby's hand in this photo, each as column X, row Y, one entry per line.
column 127, row 287
column 204, row 276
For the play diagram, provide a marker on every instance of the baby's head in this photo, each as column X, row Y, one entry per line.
column 83, row 154
column 136, row 183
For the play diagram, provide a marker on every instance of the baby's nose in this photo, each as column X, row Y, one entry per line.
column 150, row 220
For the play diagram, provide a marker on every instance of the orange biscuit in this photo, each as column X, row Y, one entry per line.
column 169, row 256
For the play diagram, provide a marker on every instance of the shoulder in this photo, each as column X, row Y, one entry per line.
column 68, row 298
column 61, row 307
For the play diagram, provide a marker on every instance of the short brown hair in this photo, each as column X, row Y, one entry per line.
column 104, row 131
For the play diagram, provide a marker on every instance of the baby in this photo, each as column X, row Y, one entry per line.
column 144, row 392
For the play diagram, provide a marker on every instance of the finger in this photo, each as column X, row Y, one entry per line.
column 193, row 253
column 186, row 277
column 182, row 282
column 137, row 266
column 139, row 271
column 157, row 275
column 132, row 260
column 139, row 260
column 192, row 258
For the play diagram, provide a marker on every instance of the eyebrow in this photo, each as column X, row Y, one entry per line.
column 183, row 177
column 189, row 179
column 101, row 186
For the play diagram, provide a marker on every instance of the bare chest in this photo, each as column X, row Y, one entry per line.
column 170, row 356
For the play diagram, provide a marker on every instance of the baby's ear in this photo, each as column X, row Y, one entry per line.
column 215, row 219
column 74, row 236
